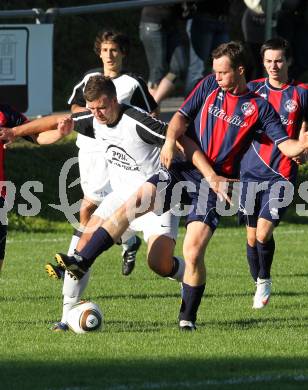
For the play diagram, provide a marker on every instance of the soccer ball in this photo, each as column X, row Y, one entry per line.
column 85, row 316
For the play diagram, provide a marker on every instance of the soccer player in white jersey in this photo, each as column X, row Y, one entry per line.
column 131, row 141
column 112, row 48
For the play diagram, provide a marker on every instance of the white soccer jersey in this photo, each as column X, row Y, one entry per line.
column 131, row 147
column 130, row 90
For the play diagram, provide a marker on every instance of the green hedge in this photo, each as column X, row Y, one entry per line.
column 28, row 162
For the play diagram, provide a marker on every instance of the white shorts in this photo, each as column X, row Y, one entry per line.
column 149, row 224
column 94, row 178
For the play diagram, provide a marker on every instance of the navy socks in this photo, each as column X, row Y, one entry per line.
column 266, row 255
column 100, row 242
column 253, row 261
column 191, row 298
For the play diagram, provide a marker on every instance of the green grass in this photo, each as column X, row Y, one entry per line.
column 140, row 346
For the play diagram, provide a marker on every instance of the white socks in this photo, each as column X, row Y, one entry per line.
column 72, row 291
column 178, row 275
column 74, row 241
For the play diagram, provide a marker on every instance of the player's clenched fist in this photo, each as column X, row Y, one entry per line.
column 65, row 125
column 167, row 152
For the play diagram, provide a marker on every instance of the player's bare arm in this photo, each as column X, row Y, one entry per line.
column 292, row 148
column 303, row 157
column 8, row 135
column 176, row 128
column 34, row 128
column 52, row 136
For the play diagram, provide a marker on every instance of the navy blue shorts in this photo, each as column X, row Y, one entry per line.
column 268, row 200
column 186, row 192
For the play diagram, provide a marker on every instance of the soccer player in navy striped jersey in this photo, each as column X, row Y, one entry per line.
column 8, row 118
column 267, row 175
column 222, row 116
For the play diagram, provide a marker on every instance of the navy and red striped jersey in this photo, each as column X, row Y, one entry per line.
column 8, row 118
column 224, row 124
column 263, row 160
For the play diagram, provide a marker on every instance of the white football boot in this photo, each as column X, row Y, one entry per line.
column 187, row 326
column 263, row 293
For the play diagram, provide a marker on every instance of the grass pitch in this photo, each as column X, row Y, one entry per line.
column 140, row 346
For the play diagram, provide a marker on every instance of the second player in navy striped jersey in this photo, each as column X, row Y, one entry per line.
column 264, row 160
column 262, row 207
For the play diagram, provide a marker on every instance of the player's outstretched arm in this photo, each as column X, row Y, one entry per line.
column 64, row 127
column 8, row 135
column 176, row 129
column 303, row 157
column 292, row 148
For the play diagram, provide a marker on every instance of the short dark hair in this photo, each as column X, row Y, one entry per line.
column 236, row 52
column 97, row 86
column 277, row 43
column 119, row 38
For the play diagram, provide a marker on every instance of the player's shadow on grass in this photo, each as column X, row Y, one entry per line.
column 138, row 326
column 258, row 323
column 155, row 373
column 300, row 275
column 115, row 326
column 30, row 298
column 137, row 296
column 291, row 293
column 230, row 295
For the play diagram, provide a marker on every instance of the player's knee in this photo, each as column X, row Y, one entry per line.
column 251, row 240
column 86, row 210
column 263, row 236
column 193, row 256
